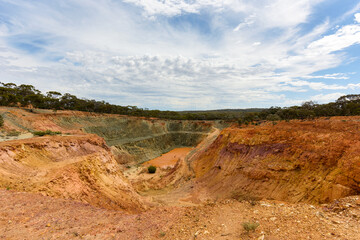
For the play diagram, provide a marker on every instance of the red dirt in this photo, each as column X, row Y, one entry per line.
column 169, row 159
column 312, row 161
column 71, row 187
column 32, row 216
column 74, row 167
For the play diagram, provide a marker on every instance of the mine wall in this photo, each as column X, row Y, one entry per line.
column 132, row 139
column 298, row 161
column 144, row 139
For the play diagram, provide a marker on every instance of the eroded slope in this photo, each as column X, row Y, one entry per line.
column 313, row 161
column 132, row 139
column 79, row 167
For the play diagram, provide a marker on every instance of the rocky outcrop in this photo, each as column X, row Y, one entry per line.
column 312, row 161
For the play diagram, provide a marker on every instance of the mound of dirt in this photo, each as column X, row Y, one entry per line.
column 77, row 167
column 311, row 161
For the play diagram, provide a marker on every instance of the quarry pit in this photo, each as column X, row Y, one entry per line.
column 99, row 161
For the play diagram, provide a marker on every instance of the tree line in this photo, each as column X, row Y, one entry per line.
column 348, row 105
column 27, row 95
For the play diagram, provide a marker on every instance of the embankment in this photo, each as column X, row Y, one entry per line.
column 79, row 167
column 311, row 161
column 132, row 139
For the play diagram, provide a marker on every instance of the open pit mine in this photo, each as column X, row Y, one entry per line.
column 88, row 178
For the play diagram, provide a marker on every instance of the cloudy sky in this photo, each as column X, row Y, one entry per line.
column 184, row 54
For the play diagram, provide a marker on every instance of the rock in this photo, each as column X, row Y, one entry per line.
column 265, row 205
column 262, row 237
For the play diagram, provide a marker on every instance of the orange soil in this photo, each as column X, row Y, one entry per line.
column 169, row 159
column 73, row 167
column 297, row 161
column 32, row 216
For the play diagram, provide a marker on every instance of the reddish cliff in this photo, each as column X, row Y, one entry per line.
column 312, row 161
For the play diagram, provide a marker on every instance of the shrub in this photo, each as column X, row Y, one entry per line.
column 47, row 132
column 1, row 121
column 152, row 169
column 239, row 196
column 13, row 133
column 250, row 226
column 273, row 117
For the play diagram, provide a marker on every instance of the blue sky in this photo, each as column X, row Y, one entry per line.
column 184, row 55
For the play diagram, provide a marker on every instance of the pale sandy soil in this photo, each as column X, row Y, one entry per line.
column 32, row 216
column 5, row 137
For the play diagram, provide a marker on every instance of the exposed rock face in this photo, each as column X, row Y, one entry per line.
column 137, row 139
column 73, row 167
column 313, row 161
column 132, row 139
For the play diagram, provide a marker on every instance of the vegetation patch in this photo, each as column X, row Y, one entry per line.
column 250, row 226
column 152, row 169
column 239, row 196
column 47, row 132
column 13, row 133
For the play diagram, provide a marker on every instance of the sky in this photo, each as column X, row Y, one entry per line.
column 184, row 54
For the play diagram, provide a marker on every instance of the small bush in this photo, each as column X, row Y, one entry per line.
column 239, row 196
column 152, row 169
column 273, row 117
column 1, row 121
column 250, row 226
column 13, row 133
column 47, row 132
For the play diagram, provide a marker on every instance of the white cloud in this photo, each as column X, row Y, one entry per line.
column 257, row 51
column 248, row 21
column 325, row 98
column 329, row 76
column 343, row 38
column 317, row 85
column 269, row 13
column 357, row 17
column 175, row 7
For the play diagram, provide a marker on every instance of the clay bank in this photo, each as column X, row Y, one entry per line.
column 297, row 161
